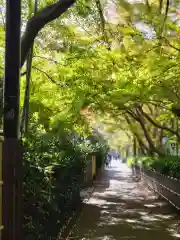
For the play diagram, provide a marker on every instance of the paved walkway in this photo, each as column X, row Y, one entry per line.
column 123, row 209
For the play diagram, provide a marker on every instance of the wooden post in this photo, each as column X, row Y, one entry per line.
column 12, row 160
column 1, row 226
column 12, row 70
column 12, row 190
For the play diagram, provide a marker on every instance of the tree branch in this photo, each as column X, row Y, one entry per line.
column 139, row 118
column 140, row 141
column 40, row 70
column 38, row 21
column 156, row 124
column 46, row 58
column 160, row 6
column 103, row 22
column 170, row 45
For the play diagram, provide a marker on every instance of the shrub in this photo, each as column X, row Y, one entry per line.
column 53, row 172
column 166, row 165
column 51, row 184
column 130, row 161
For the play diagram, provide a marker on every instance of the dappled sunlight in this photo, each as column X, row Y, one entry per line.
column 123, row 209
column 174, row 229
column 160, row 216
column 155, row 204
column 149, row 218
column 108, row 237
column 131, row 221
column 176, row 235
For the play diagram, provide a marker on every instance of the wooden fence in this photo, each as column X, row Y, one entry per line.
column 1, row 183
column 94, row 165
column 90, row 171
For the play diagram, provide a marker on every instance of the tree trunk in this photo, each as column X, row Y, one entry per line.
column 141, row 121
column 137, row 136
column 34, row 26
column 134, row 146
column 38, row 21
column 25, row 110
column 158, row 125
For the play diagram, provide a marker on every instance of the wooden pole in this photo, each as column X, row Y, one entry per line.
column 12, row 160
column 12, row 69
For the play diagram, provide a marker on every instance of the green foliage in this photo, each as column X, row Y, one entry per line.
column 166, row 165
column 83, row 7
column 49, row 197
column 53, row 175
column 105, row 64
column 130, row 161
column 101, row 151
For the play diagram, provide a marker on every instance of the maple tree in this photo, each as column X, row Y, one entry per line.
column 85, row 62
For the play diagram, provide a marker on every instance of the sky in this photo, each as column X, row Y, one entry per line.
column 113, row 17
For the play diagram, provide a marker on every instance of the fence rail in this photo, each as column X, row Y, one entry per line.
column 166, row 187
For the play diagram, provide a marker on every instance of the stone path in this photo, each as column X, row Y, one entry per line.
column 123, row 209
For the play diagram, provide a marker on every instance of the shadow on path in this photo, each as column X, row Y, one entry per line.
column 123, row 209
